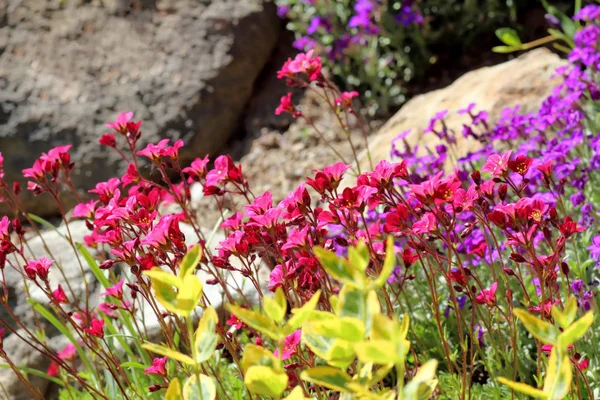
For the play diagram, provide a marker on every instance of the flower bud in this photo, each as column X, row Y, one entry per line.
column 154, row 388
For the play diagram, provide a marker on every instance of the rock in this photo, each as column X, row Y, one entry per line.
column 523, row 81
column 185, row 67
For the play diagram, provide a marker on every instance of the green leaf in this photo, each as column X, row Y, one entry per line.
column 504, row 49
column 190, row 261
column 257, row 321
column 329, row 377
column 351, row 303
column 265, row 381
column 203, row 390
column 47, row 224
column 523, row 388
column 205, row 338
column 167, row 352
column 359, row 256
column 339, row 268
column 91, row 262
column 508, row 36
column 174, row 390
column 133, row 364
column 575, row 331
column 32, row 371
column 541, row 330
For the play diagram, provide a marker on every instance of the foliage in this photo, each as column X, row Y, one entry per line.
column 406, row 283
column 377, row 47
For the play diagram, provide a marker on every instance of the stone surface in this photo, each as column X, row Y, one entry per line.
column 185, row 67
column 523, row 81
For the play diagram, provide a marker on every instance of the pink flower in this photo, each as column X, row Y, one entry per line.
column 108, row 309
column 220, row 172
column 105, row 190
column 158, row 367
column 286, row 106
column 346, row 100
column 38, row 268
column 197, row 169
column 108, row 140
column 96, row 328
column 166, row 231
column 2, row 330
column 68, row 353
column 290, row 345
column 1, row 165
column 115, row 291
column 488, row 296
column 275, row 278
column 426, row 224
column 4, row 224
column 307, row 64
column 120, row 123
column 156, row 151
column 85, row 210
column 464, row 199
column 235, row 322
column 497, row 165
column 59, row 295
column 36, row 172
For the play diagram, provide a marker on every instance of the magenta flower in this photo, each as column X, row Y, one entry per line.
column 426, row 224
column 497, row 165
column 108, row 140
column 68, row 353
column 286, row 106
column 120, row 123
column 156, row 151
column 290, row 345
column 158, row 367
column 220, row 172
column 96, row 328
column 345, row 101
column 115, row 291
column 36, row 172
column 85, row 210
column 197, row 169
column 59, row 295
column 4, row 224
column 1, row 165
column 487, row 296
column 38, row 268
column 275, row 278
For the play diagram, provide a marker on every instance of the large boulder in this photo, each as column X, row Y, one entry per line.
column 524, row 81
column 185, row 67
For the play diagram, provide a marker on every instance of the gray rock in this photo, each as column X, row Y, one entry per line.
column 185, row 67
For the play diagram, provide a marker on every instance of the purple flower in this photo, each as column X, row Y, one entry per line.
column 595, row 248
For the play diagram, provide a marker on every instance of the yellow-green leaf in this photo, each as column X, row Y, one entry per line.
column 275, row 307
column 359, row 256
column 203, row 390
column 299, row 315
column 265, row 381
column 559, row 376
column 384, row 328
column 257, row 321
column 575, row 331
column 190, row 261
column 351, row 303
column 388, row 264
column 258, row 355
column 329, row 377
column 523, row 388
column 205, row 339
column 157, row 274
column 296, row 394
column 174, row 390
column 423, row 383
column 346, row 328
column 189, row 295
column 541, row 330
column 339, row 268
column 508, row 36
column 165, row 351
column 380, row 352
